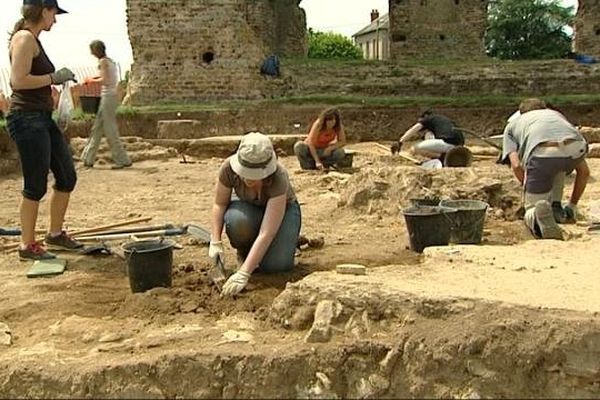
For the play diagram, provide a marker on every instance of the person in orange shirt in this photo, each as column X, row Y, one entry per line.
column 324, row 146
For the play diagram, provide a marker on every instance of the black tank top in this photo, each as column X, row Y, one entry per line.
column 39, row 99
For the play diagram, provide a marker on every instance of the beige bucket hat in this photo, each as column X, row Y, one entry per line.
column 255, row 158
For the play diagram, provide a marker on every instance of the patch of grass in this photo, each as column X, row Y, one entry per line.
column 351, row 101
column 420, row 101
column 79, row 115
column 332, row 62
column 128, row 111
column 189, row 107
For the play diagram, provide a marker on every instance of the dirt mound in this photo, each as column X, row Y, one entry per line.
column 386, row 190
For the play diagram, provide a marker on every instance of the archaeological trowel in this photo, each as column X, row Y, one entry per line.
column 217, row 273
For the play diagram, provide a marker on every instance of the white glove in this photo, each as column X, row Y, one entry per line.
column 235, row 283
column 216, row 250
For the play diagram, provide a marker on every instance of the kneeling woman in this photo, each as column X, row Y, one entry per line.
column 263, row 219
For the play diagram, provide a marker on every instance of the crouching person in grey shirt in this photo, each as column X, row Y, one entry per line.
column 543, row 147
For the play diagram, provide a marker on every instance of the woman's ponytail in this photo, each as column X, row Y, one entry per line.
column 18, row 26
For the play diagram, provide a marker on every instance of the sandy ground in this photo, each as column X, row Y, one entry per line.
column 357, row 212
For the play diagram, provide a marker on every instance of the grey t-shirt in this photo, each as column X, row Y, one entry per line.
column 273, row 186
column 525, row 133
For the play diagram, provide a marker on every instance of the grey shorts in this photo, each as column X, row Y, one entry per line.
column 541, row 172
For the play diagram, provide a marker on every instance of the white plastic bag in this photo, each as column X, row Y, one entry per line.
column 65, row 107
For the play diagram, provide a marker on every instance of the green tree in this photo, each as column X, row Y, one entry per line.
column 331, row 45
column 528, row 29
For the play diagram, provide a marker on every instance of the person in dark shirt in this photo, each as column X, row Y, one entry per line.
column 41, row 145
column 439, row 132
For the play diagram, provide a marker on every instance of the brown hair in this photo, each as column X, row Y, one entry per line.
column 30, row 13
column 98, row 48
column 531, row 104
column 328, row 114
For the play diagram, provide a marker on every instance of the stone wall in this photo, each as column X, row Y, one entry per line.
column 194, row 50
column 437, row 29
column 587, row 27
column 281, row 24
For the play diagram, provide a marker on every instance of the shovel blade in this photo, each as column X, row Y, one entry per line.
column 199, row 233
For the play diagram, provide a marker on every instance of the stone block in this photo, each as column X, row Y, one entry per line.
column 326, row 312
column 181, row 129
column 351, row 269
column 594, row 150
column 591, row 134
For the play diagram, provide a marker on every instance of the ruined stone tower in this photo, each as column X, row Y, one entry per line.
column 194, row 50
column 587, row 27
column 437, row 28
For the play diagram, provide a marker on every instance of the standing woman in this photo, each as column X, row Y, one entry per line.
column 324, row 146
column 263, row 220
column 106, row 118
column 41, row 145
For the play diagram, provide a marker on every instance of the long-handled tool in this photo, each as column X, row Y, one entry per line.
column 120, row 236
column 407, row 158
column 198, row 232
column 14, row 246
column 135, row 229
column 478, row 136
column 17, row 231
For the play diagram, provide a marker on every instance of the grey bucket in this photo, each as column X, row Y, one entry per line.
column 469, row 220
column 428, row 226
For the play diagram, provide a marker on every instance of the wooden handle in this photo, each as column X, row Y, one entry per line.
column 408, row 158
column 13, row 246
column 115, row 225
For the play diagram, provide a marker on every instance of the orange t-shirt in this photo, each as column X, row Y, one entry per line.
column 325, row 137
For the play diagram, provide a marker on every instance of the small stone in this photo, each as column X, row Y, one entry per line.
column 317, row 243
column 326, row 312
column 5, row 335
column 110, row 338
column 351, row 269
column 189, row 306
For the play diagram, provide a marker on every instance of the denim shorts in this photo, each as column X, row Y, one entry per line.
column 42, row 148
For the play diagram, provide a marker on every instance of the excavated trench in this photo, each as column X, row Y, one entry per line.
column 460, row 321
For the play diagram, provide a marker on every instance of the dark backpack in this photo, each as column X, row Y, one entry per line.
column 270, row 66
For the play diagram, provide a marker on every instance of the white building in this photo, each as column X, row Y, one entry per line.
column 373, row 39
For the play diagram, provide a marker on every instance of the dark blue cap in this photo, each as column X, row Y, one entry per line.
column 45, row 3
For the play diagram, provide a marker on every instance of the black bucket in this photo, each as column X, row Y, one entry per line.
column 469, row 220
column 149, row 264
column 428, row 226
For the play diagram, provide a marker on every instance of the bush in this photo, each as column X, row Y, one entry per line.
column 331, row 45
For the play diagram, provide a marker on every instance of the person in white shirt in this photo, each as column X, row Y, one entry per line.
column 106, row 117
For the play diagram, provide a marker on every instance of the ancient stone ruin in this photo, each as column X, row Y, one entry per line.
column 587, row 27
column 190, row 50
column 195, row 50
column 440, row 29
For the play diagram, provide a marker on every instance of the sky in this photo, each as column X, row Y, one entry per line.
column 87, row 20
